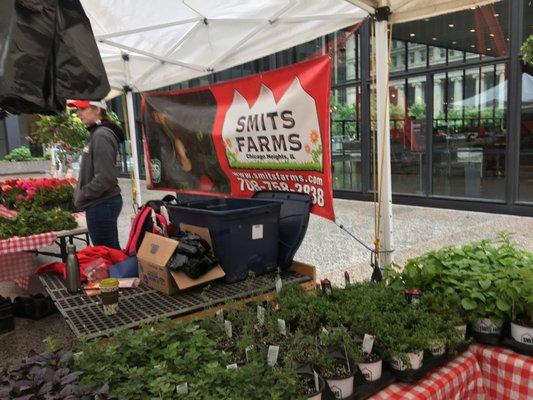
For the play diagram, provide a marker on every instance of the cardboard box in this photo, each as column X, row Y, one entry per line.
column 153, row 255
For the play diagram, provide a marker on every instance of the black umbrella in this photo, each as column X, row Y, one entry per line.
column 47, row 54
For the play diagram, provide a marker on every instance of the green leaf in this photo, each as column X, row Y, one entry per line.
column 468, row 304
column 478, row 295
column 485, row 284
column 503, row 305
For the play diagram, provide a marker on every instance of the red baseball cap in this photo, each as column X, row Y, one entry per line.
column 87, row 103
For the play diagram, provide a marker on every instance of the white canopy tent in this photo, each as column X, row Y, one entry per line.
column 146, row 45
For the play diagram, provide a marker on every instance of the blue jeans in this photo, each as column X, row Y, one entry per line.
column 102, row 222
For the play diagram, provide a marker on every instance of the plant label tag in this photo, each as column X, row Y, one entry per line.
column 257, row 231
column 282, row 327
column 317, row 382
column 368, row 343
column 182, row 388
column 325, row 331
column 279, row 284
column 232, row 366
column 220, row 316
column 272, row 356
column 347, row 359
column 248, row 352
column 261, row 315
column 229, row 329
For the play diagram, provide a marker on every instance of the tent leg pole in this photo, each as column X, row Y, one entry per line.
column 134, row 152
column 383, row 144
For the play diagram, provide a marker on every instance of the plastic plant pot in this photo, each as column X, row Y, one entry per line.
column 522, row 334
column 371, row 371
column 341, row 388
column 415, row 359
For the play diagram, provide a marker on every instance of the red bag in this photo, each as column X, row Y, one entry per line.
column 148, row 219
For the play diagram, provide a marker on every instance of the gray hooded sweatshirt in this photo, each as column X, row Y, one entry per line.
column 98, row 175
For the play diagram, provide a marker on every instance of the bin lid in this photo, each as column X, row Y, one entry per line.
column 293, row 222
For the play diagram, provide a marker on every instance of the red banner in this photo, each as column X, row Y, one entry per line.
column 267, row 131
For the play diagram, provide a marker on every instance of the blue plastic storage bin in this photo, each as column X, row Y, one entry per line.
column 244, row 232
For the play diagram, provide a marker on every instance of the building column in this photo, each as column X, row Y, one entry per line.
column 457, row 89
column 437, row 96
column 502, row 95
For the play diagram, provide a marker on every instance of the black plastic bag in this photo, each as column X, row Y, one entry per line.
column 48, row 54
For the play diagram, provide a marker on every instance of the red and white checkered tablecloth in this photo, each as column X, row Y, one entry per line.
column 15, row 263
column 7, row 213
column 25, row 243
column 506, row 374
column 459, row 379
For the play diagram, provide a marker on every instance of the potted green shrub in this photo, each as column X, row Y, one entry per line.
column 519, row 293
column 370, row 365
column 308, row 387
column 337, row 373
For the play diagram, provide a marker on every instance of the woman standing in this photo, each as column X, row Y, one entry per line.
column 97, row 191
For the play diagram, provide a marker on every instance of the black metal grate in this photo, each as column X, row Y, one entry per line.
column 84, row 314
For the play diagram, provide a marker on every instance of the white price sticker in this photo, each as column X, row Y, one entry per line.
column 257, row 232
column 368, row 343
column 317, row 381
column 261, row 315
column 229, row 328
column 282, row 327
column 279, row 284
column 272, row 356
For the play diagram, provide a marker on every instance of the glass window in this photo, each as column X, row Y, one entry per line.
column 346, row 138
column 525, row 191
column 525, row 188
column 408, row 134
column 342, row 48
column 398, row 56
column 437, row 55
column 481, row 32
column 528, row 19
column 470, row 132
column 3, row 139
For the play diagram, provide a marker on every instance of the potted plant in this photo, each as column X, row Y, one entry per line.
column 405, row 338
column 519, row 293
column 337, row 372
column 308, row 387
column 370, row 365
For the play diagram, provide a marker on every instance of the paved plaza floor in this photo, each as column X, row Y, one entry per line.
column 416, row 231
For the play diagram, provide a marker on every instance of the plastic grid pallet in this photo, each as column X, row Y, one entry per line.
column 141, row 305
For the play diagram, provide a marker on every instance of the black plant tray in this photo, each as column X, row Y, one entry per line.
column 363, row 389
column 429, row 363
column 490, row 339
column 521, row 348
